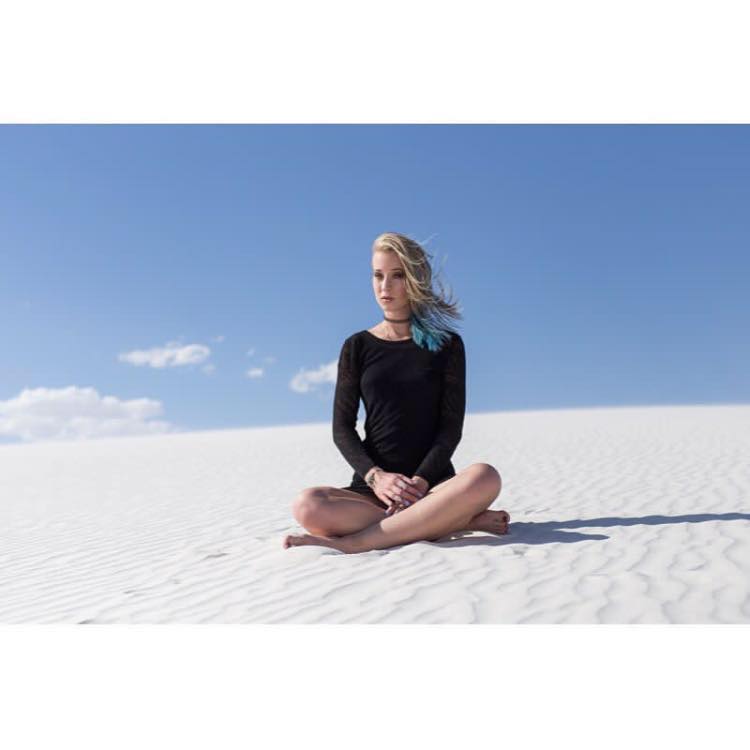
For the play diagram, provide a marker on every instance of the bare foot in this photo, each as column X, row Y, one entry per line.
column 299, row 540
column 492, row 521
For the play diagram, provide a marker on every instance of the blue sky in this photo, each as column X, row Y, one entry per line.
column 596, row 266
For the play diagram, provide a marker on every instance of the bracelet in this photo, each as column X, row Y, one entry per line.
column 371, row 480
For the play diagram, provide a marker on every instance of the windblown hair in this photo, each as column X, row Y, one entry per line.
column 431, row 312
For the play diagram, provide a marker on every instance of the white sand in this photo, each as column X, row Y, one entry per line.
column 618, row 515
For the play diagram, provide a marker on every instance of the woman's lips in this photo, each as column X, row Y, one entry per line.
column 387, row 299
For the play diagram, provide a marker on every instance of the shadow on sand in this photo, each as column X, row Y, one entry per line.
column 546, row 532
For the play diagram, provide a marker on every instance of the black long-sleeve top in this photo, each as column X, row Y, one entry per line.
column 414, row 399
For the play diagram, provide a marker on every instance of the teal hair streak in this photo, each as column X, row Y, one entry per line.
column 429, row 331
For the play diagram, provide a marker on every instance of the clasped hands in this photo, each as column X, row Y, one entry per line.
column 398, row 491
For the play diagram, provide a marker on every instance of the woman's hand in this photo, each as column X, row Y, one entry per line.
column 422, row 483
column 396, row 490
column 419, row 483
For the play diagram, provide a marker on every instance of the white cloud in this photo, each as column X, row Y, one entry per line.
column 209, row 368
column 270, row 359
column 254, row 372
column 174, row 354
column 75, row 413
column 219, row 339
column 307, row 380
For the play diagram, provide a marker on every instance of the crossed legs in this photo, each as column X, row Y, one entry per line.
column 350, row 522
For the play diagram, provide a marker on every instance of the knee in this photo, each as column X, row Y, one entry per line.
column 489, row 476
column 307, row 506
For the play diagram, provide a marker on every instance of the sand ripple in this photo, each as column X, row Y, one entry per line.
column 626, row 515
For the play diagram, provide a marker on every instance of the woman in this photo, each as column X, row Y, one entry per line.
column 410, row 372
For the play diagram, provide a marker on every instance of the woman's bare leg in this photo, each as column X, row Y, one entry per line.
column 329, row 511
column 444, row 510
column 333, row 511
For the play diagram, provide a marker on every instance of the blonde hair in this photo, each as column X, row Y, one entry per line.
column 431, row 311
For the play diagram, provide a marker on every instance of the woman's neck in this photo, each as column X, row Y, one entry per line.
column 396, row 330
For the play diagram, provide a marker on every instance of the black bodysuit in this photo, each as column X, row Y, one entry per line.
column 414, row 400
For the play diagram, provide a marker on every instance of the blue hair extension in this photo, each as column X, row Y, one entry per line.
column 428, row 331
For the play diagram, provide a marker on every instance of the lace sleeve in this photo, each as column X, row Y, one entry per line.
column 452, row 410
column 345, row 408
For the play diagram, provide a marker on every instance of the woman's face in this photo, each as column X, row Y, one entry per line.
column 388, row 280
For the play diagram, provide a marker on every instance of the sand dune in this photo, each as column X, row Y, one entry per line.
column 619, row 515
